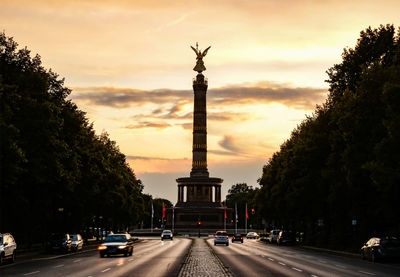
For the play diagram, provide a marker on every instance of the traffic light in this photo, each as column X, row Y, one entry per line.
column 199, row 223
column 253, row 211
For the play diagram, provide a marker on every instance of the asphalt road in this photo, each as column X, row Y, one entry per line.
column 154, row 258
column 253, row 258
column 151, row 257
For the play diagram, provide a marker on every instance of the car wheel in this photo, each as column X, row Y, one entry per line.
column 362, row 256
column 1, row 258
column 241, row 241
column 215, row 243
column 101, row 255
column 13, row 257
column 131, row 253
column 373, row 257
column 227, row 244
column 126, row 253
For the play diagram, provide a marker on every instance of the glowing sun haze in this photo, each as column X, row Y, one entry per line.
column 129, row 65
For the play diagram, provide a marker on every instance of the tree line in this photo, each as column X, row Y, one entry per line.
column 337, row 178
column 57, row 174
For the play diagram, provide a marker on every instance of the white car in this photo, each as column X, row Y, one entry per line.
column 77, row 242
column 167, row 234
column 252, row 235
column 8, row 247
column 273, row 236
column 221, row 237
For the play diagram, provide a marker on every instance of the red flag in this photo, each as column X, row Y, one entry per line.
column 247, row 214
column 225, row 213
column 163, row 210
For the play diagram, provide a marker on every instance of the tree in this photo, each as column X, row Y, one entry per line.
column 341, row 163
column 56, row 173
column 242, row 194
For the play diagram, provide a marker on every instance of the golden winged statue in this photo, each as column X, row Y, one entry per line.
column 199, row 67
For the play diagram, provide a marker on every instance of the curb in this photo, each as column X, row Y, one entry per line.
column 329, row 251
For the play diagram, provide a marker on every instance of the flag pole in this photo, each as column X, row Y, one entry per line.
column 246, row 215
column 236, row 218
column 152, row 215
column 173, row 218
column 225, row 219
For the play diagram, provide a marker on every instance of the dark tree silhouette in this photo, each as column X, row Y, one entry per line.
column 337, row 177
column 56, row 173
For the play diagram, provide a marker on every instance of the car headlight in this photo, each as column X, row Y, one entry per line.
column 122, row 247
column 101, row 247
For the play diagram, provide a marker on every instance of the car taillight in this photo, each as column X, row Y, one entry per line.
column 234, row 237
column 215, row 236
column 227, row 237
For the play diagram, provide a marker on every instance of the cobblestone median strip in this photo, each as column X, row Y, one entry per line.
column 201, row 261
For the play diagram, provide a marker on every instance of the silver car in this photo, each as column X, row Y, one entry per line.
column 273, row 236
column 77, row 242
column 8, row 247
column 221, row 237
column 167, row 234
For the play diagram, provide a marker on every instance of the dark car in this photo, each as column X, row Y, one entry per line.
column 237, row 237
column 381, row 248
column 59, row 242
column 115, row 244
column 286, row 238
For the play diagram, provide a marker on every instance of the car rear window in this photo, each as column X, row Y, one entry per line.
column 221, row 233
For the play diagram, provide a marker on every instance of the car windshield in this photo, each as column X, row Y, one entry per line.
column 275, row 232
column 167, row 232
column 74, row 237
column 238, row 235
column 116, row 238
column 1, row 240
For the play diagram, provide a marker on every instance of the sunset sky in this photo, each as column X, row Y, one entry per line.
column 129, row 65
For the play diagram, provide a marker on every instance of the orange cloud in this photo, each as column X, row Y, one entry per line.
column 298, row 98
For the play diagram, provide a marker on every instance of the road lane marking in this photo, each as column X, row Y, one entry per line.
column 312, row 275
column 57, row 266
column 78, row 260
column 30, row 273
column 365, row 272
column 271, row 259
column 105, row 270
column 322, row 261
column 130, row 260
column 299, row 270
column 281, row 263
